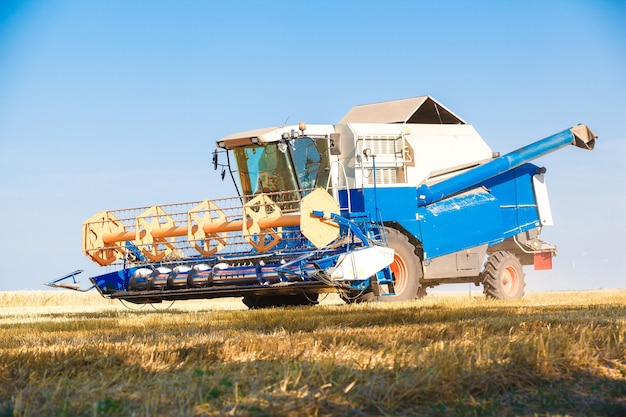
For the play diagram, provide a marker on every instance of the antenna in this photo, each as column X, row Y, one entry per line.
column 285, row 122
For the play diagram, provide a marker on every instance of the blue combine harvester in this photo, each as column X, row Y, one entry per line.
column 397, row 197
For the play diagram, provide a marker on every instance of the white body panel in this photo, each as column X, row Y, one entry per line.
column 361, row 264
column 408, row 154
column 543, row 203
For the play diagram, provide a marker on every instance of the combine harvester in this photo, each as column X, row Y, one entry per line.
column 397, row 197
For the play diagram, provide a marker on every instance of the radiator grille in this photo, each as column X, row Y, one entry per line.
column 383, row 176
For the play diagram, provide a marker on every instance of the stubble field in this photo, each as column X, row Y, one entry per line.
column 71, row 354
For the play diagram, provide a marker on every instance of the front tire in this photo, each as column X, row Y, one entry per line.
column 406, row 268
column 503, row 277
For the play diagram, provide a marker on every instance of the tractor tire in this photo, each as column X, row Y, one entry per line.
column 407, row 271
column 254, row 302
column 503, row 277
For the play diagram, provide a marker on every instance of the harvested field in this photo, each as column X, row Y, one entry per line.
column 70, row 354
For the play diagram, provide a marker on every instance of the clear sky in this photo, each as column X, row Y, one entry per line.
column 106, row 104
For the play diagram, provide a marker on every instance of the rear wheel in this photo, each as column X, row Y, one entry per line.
column 407, row 272
column 503, row 277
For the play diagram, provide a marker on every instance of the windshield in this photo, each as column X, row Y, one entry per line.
column 300, row 164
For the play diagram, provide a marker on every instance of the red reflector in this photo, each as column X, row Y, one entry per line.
column 543, row 260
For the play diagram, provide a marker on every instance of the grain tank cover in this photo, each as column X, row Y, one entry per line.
column 419, row 110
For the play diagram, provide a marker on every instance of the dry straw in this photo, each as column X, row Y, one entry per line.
column 549, row 354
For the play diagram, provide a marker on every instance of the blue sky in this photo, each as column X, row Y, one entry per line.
column 113, row 104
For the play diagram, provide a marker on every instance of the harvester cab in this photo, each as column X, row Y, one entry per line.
column 397, row 197
column 275, row 162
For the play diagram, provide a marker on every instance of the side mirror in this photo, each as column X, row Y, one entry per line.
column 335, row 144
column 215, row 159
